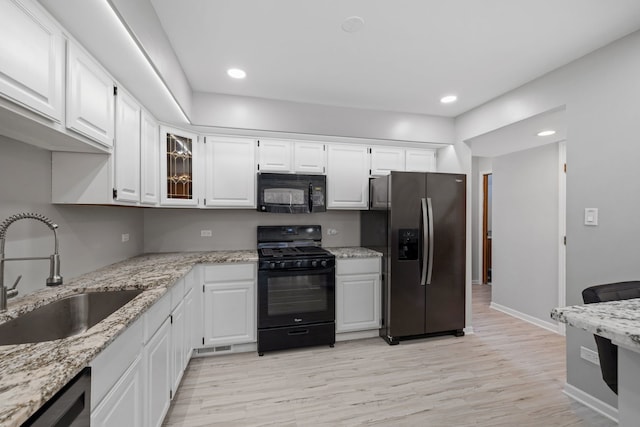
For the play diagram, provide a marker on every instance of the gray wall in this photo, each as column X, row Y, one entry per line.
column 602, row 98
column 525, row 231
column 169, row 230
column 90, row 236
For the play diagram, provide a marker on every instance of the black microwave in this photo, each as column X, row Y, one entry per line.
column 288, row 193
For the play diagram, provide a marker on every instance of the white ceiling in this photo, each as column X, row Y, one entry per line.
column 521, row 135
column 408, row 55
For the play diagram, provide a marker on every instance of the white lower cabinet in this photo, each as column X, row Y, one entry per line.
column 358, row 294
column 123, row 405
column 229, row 304
column 157, row 355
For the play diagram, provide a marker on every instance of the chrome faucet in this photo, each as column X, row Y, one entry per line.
column 54, row 278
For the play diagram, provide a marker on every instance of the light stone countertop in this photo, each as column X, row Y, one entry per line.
column 617, row 320
column 30, row 374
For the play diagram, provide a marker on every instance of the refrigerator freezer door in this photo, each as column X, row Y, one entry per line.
column 445, row 295
column 405, row 297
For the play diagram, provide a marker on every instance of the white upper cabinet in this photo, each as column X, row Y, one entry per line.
column 275, row 156
column 149, row 160
column 179, row 161
column 309, row 157
column 32, row 52
column 230, row 172
column 90, row 97
column 387, row 159
column 347, row 176
column 420, row 160
column 127, row 149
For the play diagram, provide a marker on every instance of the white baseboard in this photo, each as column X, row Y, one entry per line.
column 468, row 330
column 591, row 402
column 533, row 320
column 476, row 282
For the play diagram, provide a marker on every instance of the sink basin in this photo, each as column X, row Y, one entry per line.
column 64, row 318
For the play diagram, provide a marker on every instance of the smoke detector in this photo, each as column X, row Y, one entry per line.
column 353, row 24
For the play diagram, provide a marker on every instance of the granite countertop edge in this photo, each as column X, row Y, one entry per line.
column 618, row 321
column 30, row 374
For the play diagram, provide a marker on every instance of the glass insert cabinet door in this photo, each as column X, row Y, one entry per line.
column 178, row 162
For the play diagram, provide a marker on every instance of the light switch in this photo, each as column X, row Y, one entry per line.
column 590, row 216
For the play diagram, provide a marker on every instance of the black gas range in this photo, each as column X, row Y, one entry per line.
column 296, row 288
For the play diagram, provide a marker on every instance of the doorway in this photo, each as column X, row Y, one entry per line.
column 487, row 184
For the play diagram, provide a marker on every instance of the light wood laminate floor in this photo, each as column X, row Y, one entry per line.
column 508, row 373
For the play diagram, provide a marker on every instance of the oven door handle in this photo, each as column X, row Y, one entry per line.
column 310, row 201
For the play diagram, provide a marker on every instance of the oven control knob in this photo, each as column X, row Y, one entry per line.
column 323, row 263
column 298, row 263
column 272, row 265
column 314, row 263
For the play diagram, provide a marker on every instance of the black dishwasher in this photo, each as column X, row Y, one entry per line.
column 71, row 406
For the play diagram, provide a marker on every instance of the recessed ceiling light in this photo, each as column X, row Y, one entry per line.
column 236, row 73
column 448, row 99
column 546, row 132
column 352, row 24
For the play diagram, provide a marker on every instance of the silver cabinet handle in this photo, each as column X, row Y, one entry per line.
column 431, row 239
column 425, row 238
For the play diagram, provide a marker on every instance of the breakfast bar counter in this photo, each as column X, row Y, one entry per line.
column 618, row 321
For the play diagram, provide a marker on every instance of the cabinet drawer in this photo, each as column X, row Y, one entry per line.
column 156, row 315
column 358, row 266
column 228, row 272
column 177, row 293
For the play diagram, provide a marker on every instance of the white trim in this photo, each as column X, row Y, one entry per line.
column 562, row 231
column 476, row 282
column 468, row 330
column 553, row 327
column 591, row 402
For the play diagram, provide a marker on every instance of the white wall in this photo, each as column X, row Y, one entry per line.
column 89, row 236
column 602, row 98
column 525, row 232
column 170, row 230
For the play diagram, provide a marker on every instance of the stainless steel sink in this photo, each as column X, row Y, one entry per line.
column 64, row 318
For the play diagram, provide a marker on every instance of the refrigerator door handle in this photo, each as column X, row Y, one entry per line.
column 431, row 239
column 425, row 239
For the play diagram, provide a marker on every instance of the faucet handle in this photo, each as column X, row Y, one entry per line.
column 16, row 283
column 12, row 292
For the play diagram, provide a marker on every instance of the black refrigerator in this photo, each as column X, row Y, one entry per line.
column 417, row 220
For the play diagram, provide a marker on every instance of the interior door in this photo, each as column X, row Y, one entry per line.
column 445, row 295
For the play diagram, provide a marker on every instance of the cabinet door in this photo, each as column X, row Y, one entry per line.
column 127, row 149
column 230, row 172
column 90, row 93
column 177, row 346
column 149, row 160
column 229, row 313
column 348, row 176
column 158, row 375
column 32, row 52
column 309, row 157
column 386, row 159
column 420, row 160
column 275, row 156
column 178, row 167
column 357, row 302
column 123, row 406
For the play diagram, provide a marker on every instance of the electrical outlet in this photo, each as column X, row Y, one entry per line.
column 589, row 355
column 332, row 232
column 205, row 233
column 125, row 237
